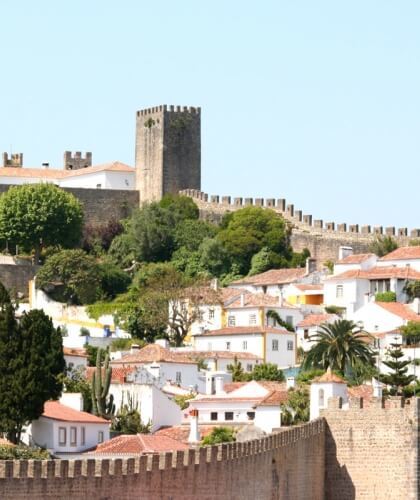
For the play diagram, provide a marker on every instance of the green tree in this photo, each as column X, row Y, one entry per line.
column 411, row 332
column 190, row 233
column 297, row 404
column 102, row 403
column 128, row 419
column 267, row 371
column 279, row 321
column 74, row 380
column 214, row 259
column 386, row 297
column 383, row 245
column 219, row 435
column 235, row 368
column 262, row 261
column 397, row 378
column 114, row 280
column 412, row 289
column 182, row 207
column 183, row 401
column 36, row 215
column 339, row 346
column 71, row 276
column 31, row 360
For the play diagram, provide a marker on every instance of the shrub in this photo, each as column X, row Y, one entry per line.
column 219, row 435
column 386, row 297
column 21, row 452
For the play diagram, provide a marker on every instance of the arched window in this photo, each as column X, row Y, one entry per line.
column 321, row 398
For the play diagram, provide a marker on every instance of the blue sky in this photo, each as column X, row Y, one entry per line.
column 315, row 102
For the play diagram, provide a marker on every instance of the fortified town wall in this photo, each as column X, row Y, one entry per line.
column 322, row 239
column 349, row 453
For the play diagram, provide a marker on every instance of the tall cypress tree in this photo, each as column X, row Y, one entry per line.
column 31, row 358
column 398, row 378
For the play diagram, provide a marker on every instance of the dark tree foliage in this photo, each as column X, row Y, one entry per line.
column 181, row 207
column 397, row 378
column 100, row 236
column 31, row 361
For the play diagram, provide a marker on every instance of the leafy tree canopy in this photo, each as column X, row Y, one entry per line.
column 219, row 435
column 412, row 289
column 411, row 332
column 182, row 207
column 397, row 378
column 383, row 245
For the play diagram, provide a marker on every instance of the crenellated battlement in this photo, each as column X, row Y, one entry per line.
column 164, row 108
column 300, row 220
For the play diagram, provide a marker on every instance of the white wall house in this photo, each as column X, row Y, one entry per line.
column 75, row 358
column 272, row 345
column 63, row 428
column 322, row 389
column 402, row 257
column 270, row 282
column 310, row 326
column 252, row 403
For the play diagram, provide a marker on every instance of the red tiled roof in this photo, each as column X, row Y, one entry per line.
column 244, row 330
column 316, row 319
column 181, row 432
column 273, row 277
column 257, row 300
column 329, row 377
column 356, row 258
column 114, row 166
column 71, row 351
column 403, row 253
column 305, row 288
column 222, row 355
column 118, row 373
column 57, row 411
column 404, row 311
column 139, row 443
column 378, row 273
column 152, row 353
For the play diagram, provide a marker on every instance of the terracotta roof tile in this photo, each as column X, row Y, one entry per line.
column 403, row 253
column 152, row 353
column 181, row 432
column 356, row 258
column 378, row 273
column 304, row 287
column 273, row 277
column 118, row 373
column 115, row 166
column 222, row 355
column 329, row 377
column 317, row 319
column 72, row 351
column 244, row 330
column 57, row 411
column 137, row 444
column 404, row 311
column 249, row 299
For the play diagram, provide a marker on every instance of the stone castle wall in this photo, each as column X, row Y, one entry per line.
column 287, row 465
column 321, row 238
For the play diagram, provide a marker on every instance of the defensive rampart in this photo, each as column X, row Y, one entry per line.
column 288, row 465
column 321, row 238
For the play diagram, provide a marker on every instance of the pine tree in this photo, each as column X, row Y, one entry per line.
column 31, row 358
column 398, row 378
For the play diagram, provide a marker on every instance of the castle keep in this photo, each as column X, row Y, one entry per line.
column 168, row 151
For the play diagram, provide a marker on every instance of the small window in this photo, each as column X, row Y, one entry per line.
column 252, row 319
column 213, row 415
column 100, row 436
column 228, row 415
column 249, row 367
column 339, row 291
column 244, row 345
column 211, row 313
column 62, row 436
column 290, row 345
column 250, row 415
column 274, row 345
column 231, row 321
column 264, row 288
column 82, row 436
column 289, row 319
column 228, row 346
column 305, row 333
column 73, row 436
column 178, row 377
column 321, row 398
column 201, row 315
column 98, row 186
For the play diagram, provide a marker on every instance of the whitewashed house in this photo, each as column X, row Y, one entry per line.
column 402, row 257
column 75, row 358
column 63, row 428
column 322, row 389
column 310, row 326
column 270, row 282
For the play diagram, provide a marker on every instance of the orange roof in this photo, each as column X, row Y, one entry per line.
column 404, row 311
column 304, row 287
column 244, row 330
column 181, row 432
column 403, row 253
column 115, row 166
column 57, row 411
column 329, row 377
column 139, row 443
column 316, row 319
column 71, row 351
column 152, row 353
column 118, row 373
column 356, row 258
column 222, row 355
column 256, row 300
column 273, row 277
column 378, row 273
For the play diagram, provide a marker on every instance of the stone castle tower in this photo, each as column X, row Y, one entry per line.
column 168, row 151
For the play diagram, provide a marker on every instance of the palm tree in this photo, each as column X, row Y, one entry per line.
column 340, row 346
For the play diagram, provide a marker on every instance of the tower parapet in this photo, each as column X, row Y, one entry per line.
column 14, row 160
column 76, row 161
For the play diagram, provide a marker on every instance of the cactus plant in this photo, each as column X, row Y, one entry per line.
column 102, row 405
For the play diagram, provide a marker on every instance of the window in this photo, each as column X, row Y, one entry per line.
column 250, row 415
column 305, row 333
column 289, row 319
column 100, row 436
column 290, row 345
column 339, row 291
column 62, row 436
column 321, row 402
column 228, row 415
column 249, row 367
column 231, row 321
column 178, row 377
column 200, row 315
column 252, row 319
column 264, row 288
column 213, row 415
column 244, row 345
column 274, row 345
column 211, row 313
column 98, row 186
column 73, row 436
column 228, row 346
column 82, row 436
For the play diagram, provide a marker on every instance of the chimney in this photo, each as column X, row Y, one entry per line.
column 134, row 348
column 415, row 305
column 214, row 284
column 46, row 165
column 219, row 384
column 72, row 400
column 310, row 265
column 281, row 298
column 194, row 436
column 344, row 252
column 163, row 343
column 209, row 385
column 242, row 299
column 290, row 383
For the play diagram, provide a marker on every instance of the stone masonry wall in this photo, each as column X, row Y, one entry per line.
column 16, row 277
column 288, row 465
column 372, row 453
